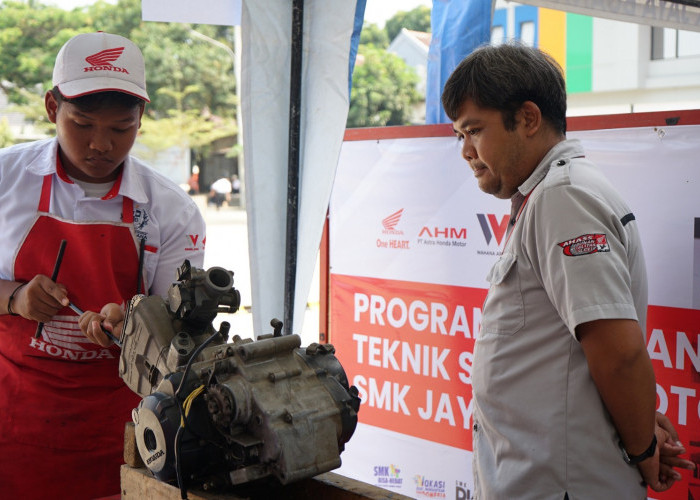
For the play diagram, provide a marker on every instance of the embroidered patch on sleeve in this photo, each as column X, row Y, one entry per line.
column 585, row 244
column 194, row 243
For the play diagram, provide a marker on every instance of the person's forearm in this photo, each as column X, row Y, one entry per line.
column 622, row 371
column 7, row 287
column 629, row 393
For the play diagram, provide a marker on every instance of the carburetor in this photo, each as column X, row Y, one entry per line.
column 216, row 413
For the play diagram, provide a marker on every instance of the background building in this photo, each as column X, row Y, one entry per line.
column 610, row 66
column 412, row 46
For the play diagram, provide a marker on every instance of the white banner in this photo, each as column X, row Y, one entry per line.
column 328, row 26
column 412, row 239
column 221, row 12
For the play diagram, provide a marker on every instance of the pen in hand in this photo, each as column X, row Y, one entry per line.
column 54, row 277
column 104, row 330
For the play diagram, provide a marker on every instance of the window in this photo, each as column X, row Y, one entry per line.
column 497, row 35
column 527, row 33
column 669, row 43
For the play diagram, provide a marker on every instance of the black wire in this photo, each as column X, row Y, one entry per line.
column 178, row 434
column 178, row 468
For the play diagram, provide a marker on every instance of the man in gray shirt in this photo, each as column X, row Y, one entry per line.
column 563, row 386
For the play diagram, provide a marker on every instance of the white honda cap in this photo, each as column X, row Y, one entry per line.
column 100, row 62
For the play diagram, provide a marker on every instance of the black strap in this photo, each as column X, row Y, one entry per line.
column 627, row 218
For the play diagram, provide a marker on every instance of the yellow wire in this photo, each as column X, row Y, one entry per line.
column 188, row 402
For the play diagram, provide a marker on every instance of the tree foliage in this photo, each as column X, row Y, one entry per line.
column 5, row 133
column 374, row 35
column 383, row 90
column 417, row 19
column 30, row 37
column 185, row 74
column 383, row 86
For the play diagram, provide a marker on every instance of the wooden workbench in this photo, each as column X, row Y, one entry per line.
column 139, row 484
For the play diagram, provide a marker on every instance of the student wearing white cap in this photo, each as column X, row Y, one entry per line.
column 127, row 229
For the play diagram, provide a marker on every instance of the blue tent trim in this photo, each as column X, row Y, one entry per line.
column 458, row 27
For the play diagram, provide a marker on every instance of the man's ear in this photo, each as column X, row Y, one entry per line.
column 531, row 117
column 51, row 106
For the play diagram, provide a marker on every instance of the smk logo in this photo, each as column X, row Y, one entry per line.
column 585, row 244
column 430, row 488
column 493, row 229
column 194, row 242
column 389, row 223
column 102, row 61
column 141, row 220
column 388, row 476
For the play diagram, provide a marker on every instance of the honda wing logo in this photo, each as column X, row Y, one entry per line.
column 62, row 338
column 103, row 60
column 391, row 221
column 389, row 224
column 492, row 228
column 64, row 332
column 105, row 57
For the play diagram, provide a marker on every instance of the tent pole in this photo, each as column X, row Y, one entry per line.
column 293, row 165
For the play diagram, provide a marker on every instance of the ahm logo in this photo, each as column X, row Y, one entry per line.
column 103, row 60
column 390, row 222
column 492, row 228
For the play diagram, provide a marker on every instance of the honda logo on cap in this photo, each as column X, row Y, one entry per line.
column 102, row 61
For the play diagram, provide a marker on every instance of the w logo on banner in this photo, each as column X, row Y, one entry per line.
column 390, row 222
column 492, row 228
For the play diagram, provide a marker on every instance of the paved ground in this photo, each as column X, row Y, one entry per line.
column 227, row 247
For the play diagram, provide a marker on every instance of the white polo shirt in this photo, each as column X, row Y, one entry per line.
column 540, row 427
column 164, row 214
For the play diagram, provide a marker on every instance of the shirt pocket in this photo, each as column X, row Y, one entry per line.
column 504, row 312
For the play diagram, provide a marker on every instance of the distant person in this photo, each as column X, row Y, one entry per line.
column 193, row 181
column 564, row 390
column 220, row 192
column 63, row 406
column 235, row 184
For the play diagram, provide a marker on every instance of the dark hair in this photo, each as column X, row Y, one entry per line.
column 503, row 77
column 99, row 100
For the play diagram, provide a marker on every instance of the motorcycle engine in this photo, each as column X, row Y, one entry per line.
column 216, row 413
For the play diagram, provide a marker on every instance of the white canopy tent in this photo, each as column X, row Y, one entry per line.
column 267, row 40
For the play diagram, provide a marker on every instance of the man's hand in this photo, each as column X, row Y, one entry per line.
column 670, row 448
column 40, row 299
column 666, row 457
column 111, row 317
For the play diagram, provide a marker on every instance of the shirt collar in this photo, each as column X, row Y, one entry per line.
column 564, row 150
column 131, row 184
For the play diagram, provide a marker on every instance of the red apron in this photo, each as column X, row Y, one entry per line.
column 63, row 406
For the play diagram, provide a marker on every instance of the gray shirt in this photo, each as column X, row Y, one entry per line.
column 574, row 255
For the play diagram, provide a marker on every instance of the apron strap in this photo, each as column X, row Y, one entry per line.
column 127, row 210
column 45, row 198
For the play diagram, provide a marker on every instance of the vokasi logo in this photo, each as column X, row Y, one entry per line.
column 426, row 487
